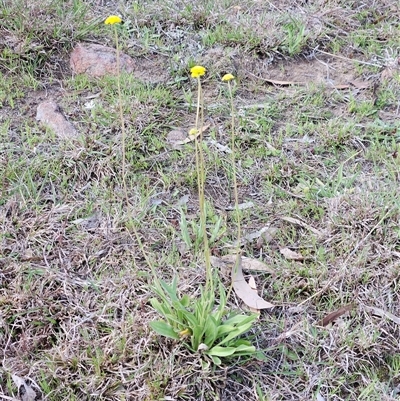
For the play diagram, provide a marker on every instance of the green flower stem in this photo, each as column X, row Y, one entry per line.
column 121, row 115
column 200, row 167
column 235, row 188
column 233, row 154
column 123, row 151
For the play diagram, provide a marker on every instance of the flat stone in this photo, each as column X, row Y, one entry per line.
column 98, row 60
column 51, row 116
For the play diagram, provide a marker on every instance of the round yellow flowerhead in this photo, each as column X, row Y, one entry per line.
column 197, row 71
column 113, row 19
column 228, row 77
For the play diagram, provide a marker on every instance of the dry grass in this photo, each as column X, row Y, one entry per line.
column 74, row 285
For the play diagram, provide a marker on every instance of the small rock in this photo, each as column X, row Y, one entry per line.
column 98, row 60
column 50, row 115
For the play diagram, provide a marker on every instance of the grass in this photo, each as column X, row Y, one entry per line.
column 75, row 289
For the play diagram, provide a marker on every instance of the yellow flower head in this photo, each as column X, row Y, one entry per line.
column 228, row 77
column 113, row 19
column 197, row 71
column 185, row 333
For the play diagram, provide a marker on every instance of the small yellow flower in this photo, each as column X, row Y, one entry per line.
column 197, row 71
column 113, row 19
column 228, row 77
column 185, row 333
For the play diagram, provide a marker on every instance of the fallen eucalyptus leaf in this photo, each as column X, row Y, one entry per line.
column 220, row 147
column 241, row 206
column 302, row 224
column 252, row 283
column 194, row 133
column 360, row 84
column 267, row 233
column 243, row 289
column 249, row 263
column 253, row 286
column 178, row 137
column 291, row 255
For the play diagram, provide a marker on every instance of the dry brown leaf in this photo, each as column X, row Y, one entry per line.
column 223, row 266
column 252, row 283
column 336, row 314
column 249, row 264
column 302, row 224
column 291, row 255
column 356, row 83
column 282, row 83
column 178, row 137
column 243, row 289
column 197, row 133
column 266, row 233
column 360, row 84
column 220, row 147
column 241, row 206
column 217, row 263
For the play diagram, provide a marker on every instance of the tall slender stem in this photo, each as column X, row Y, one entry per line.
column 200, row 166
column 233, row 154
column 123, row 151
column 121, row 116
column 235, row 190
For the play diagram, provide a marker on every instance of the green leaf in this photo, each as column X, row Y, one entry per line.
column 216, row 360
column 245, row 349
column 197, row 332
column 223, row 329
column 240, row 319
column 185, row 301
column 241, row 350
column 237, row 332
column 210, row 330
column 159, row 291
column 221, row 351
column 177, row 306
column 164, row 329
column 170, row 289
column 191, row 320
column 222, row 303
column 241, row 341
column 161, row 308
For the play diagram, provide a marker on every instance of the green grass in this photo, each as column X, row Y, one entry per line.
column 75, row 288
